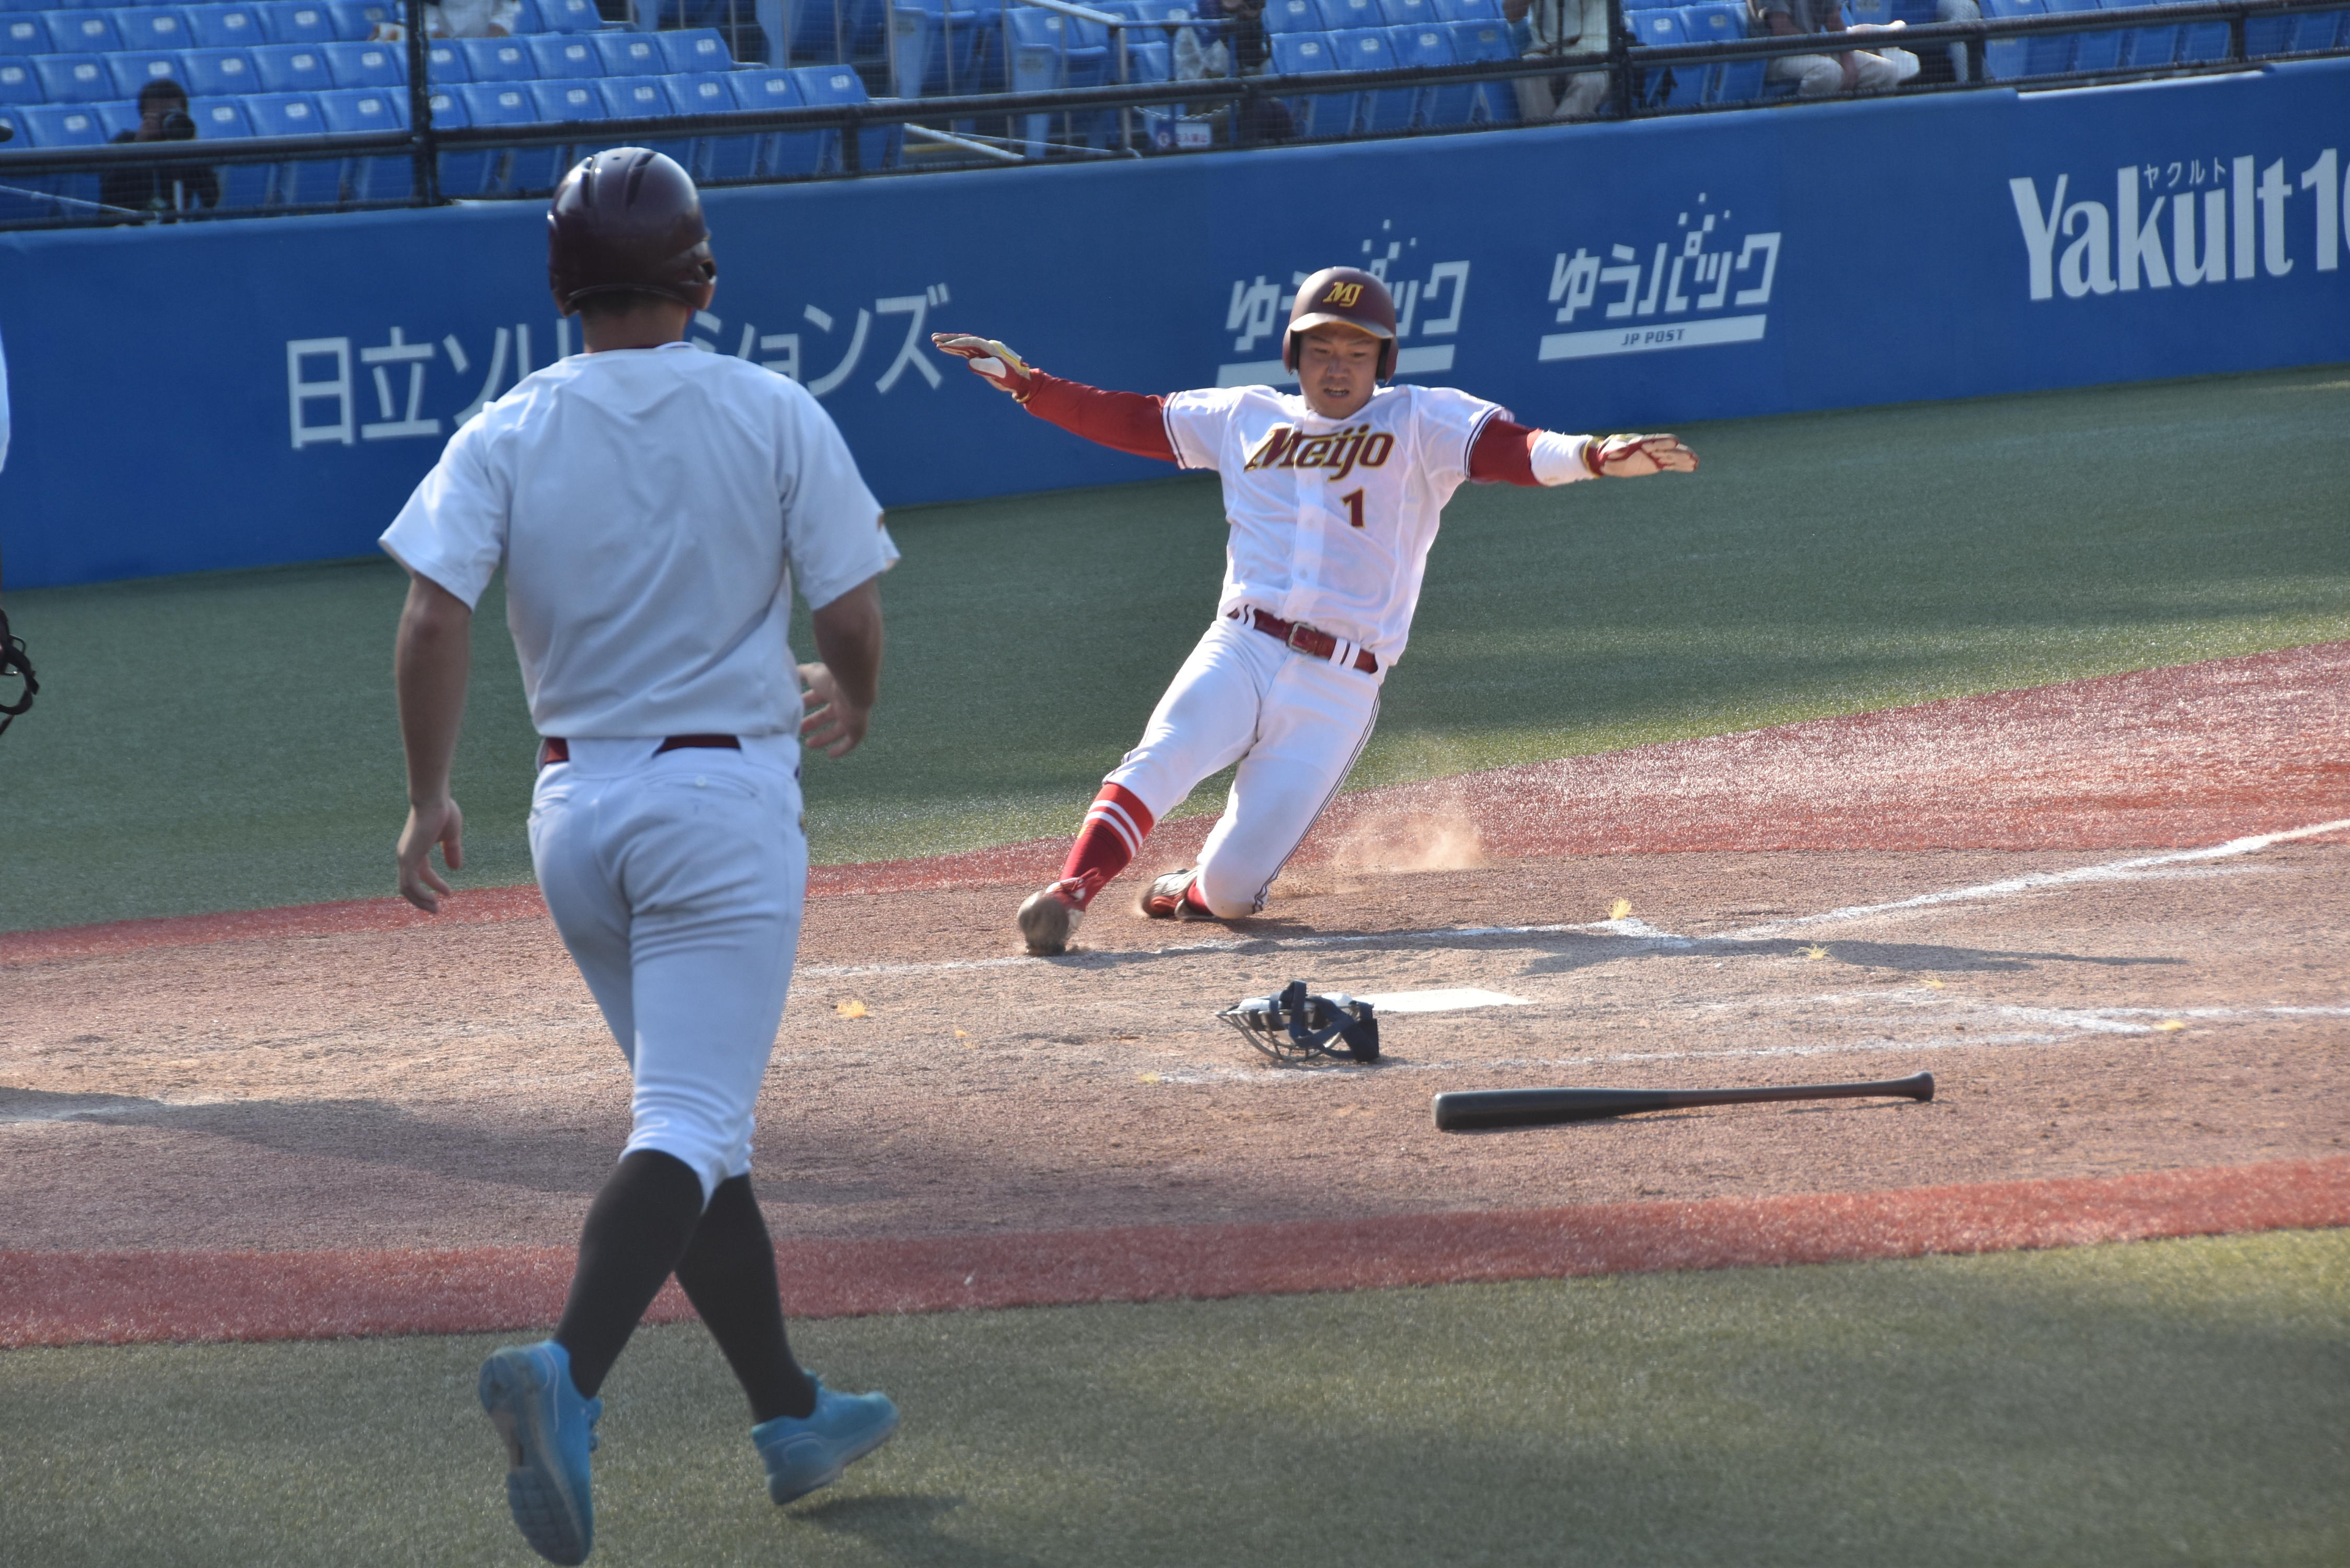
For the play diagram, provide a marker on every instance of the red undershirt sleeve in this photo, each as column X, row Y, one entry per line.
column 1500, row 454
column 1127, row 422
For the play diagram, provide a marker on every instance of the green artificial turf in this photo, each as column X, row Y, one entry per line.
column 228, row 741
column 2169, row 1403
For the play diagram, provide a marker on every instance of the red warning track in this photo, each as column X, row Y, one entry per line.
column 2153, row 759
column 123, row 1298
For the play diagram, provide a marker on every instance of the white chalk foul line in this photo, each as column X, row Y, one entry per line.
column 2108, row 871
column 2111, row 871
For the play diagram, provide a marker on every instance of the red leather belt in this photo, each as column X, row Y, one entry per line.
column 555, row 749
column 1307, row 640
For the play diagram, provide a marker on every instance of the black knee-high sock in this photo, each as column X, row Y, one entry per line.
column 636, row 1229
column 729, row 1274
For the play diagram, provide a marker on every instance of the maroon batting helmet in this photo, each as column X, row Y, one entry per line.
column 1351, row 298
column 628, row 219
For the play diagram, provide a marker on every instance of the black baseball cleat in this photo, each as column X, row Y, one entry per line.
column 1050, row 918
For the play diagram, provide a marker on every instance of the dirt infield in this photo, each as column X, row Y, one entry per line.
column 2095, row 1002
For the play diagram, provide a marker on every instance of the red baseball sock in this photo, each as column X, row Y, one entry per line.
column 1116, row 824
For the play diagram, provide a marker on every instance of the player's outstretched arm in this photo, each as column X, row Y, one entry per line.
column 429, row 665
column 1125, row 421
column 1508, row 453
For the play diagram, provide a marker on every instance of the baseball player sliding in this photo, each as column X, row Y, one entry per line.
column 653, row 506
column 1333, row 495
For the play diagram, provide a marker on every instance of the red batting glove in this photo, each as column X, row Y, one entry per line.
column 991, row 361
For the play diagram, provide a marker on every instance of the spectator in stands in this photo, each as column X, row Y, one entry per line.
column 1559, row 27
column 153, row 189
column 1244, row 32
column 1817, row 75
column 471, row 18
column 1198, row 53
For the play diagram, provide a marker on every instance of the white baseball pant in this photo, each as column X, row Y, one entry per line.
column 676, row 880
column 1295, row 725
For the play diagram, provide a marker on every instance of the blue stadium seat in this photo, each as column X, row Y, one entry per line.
column 1033, row 45
column 83, row 33
column 561, row 101
column 62, row 125
column 1411, row 12
column 875, row 149
column 1426, row 46
column 714, row 157
column 354, row 20
column 938, row 46
column 561, row 56
column 2090, row 51
column 118, row 115
column 2141, row 46
column 497, row 60
column 511, row 103
column 1479, row 103
column 312, row 181
column 74, row 79
column 368, row 65
column 2006, row 59
column 445, row 61
column 371, row 111
column 568, row 16
column 1343, row 14
column 627, row 54
column 695, row 49
column 1309, row 54
column 297, row 22
column 132, row 70
column 2202, row 42
column 220, row 73
column 1469, row 11
column 528, row 20
column 221, row 119
column 23, row 35
column 151, row 28
column 1294, row 17
column 292, row 67
column 225, row 27
column 1386, row 110
column 1661, row 29
column 473, row 173
column 637, row 98
column 20, row 83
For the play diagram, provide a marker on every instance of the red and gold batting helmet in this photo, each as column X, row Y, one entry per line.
column 1351, row 298
column 627, row 219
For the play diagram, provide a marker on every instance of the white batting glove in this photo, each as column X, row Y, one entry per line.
column 991, row 361
column 1631, row 456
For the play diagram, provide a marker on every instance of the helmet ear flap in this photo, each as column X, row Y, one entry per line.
column 1289, row 352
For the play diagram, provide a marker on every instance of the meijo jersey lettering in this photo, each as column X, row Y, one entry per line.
column 1331, row 519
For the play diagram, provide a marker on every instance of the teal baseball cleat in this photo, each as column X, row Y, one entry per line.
column 548, row 1431
column 803, row 1454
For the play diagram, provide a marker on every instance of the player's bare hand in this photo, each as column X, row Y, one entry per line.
column 834, row 724
column 1631, row 456
column 991, row 361
column 435, row 822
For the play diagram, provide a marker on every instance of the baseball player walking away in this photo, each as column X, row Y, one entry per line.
column 1333, row 495
column 652, row 507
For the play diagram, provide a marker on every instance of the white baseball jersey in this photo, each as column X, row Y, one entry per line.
column 650, row 507
column 1331, row 519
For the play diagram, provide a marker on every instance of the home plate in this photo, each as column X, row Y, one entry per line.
column 1441, row 1000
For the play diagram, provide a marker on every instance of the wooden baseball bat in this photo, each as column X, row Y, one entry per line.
column 1542, row 1107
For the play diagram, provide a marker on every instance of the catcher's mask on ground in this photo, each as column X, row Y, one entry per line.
column 628, row 220
column 1294, row 1027
column 1351, row 298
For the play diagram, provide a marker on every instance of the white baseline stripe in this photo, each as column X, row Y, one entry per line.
column 2110, row 871
column 2115, row 870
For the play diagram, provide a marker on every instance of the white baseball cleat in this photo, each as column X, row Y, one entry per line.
column 1164, row 899
column 1050, row 918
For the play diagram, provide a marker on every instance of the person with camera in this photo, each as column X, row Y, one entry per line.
column 152, row 189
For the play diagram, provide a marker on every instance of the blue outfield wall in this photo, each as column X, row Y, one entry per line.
column 237, row 394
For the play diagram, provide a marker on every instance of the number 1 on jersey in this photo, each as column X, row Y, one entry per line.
column 1354, row 500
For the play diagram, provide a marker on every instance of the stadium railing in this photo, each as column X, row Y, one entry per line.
column 821, row 124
